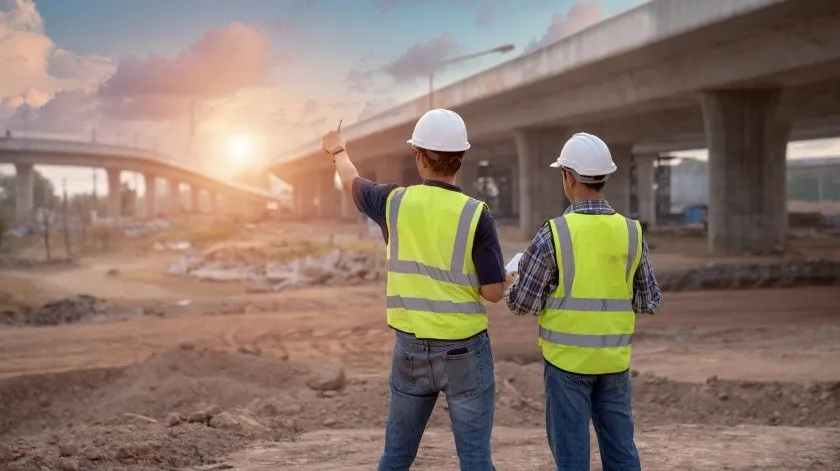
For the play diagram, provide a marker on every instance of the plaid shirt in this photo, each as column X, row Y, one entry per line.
column 539, row 274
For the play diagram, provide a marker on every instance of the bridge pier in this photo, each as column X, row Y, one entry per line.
column 467, row 175
column 24, row 192
column 304, row 195
column 214, row 201
column 150, row 196
column 348, row 208
column 329, row 199
column 114, row 208
column 540, row 188
column 391, row 169
column 174, row 197
column 195, row 199
column 747, row 176
column 645, row 193
column 617, row 189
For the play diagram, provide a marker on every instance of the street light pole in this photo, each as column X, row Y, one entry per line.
column 500, row 49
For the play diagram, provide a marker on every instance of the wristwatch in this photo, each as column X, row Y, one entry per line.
column 336, row 150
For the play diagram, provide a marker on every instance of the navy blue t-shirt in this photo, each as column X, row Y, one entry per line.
column 371, row 199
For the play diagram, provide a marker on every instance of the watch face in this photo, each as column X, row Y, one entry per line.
column 337, row 149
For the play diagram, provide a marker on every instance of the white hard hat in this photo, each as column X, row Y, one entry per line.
column 440, row 130
column 586, row 156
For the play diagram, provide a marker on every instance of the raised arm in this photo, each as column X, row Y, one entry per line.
column 335, row 145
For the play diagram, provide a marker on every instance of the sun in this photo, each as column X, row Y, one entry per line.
column 241, row 147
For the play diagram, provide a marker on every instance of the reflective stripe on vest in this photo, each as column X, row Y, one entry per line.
column 434, row 308
column 579, row 352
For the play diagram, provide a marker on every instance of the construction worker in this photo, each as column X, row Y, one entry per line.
column 585, row 275
column 443, row 258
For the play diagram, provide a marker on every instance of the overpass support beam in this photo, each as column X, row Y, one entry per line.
column 466, row 177
column 195, row 199
column 540, row 187
column 303, row 195
column 114, row 194
column 25, row 192
column 174, row 197
column 747, row 143
column 391, row 170
column 329, row 198
column 150, row 196
column 617, row 190
column 213, row 198
column 645, row 193
column 348, row 208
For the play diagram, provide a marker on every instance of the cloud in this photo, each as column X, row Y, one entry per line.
column 65, row 64
column 68, row 112
column 581, row 15
column 420, row 59
column 222, row 62
column 33, row 74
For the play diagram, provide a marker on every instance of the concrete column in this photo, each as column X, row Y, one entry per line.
column 24, row 192
column 466, row 177
column 214, row 201
column 174, row 197
column 390, row 170
column 541, row 194
column 646, row 178
column 617, row 189
column 348, row 208
column 304, row 195
column 195, row 199
column 114, row 196
column 150, row 197
column 747, row 144
column 329, row 198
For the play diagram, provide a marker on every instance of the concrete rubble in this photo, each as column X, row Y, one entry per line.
column 67, row 311
column 785, row 274
column 254, row 264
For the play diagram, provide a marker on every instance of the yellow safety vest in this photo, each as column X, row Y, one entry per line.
column 587, row 323
column 433, row 289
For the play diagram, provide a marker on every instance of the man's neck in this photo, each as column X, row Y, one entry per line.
column 587, row 197
column 447, row 180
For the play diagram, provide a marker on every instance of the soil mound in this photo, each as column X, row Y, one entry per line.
column 182, row 379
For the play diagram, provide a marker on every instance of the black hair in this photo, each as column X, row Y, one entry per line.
column 445, row 164
column 595, row 186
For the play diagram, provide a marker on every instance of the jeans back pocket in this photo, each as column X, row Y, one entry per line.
column 402, row 372
column 469, row 373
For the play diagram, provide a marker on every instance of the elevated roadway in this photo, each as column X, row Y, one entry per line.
column 25, row 153
column 742, row 77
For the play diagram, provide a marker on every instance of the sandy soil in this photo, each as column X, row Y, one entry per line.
column 664, row 448
column 722, row 380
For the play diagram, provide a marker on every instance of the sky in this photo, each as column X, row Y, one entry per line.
column 275, row 73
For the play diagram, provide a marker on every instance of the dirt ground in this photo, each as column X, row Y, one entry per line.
column 740, row 380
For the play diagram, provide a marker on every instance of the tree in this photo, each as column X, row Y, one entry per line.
column 43, row 191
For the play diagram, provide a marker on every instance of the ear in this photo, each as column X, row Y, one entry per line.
column 421, row 162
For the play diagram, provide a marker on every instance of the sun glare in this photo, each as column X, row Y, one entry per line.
column 241, row 147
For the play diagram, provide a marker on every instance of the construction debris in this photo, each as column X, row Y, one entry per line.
column 256, row 266
column 786, row 274
column 67, row 311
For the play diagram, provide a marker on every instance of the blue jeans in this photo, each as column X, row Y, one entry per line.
column 571, row 400
column 421, row 369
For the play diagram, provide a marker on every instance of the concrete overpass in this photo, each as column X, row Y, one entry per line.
column 745, row 76
column 26, row 153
